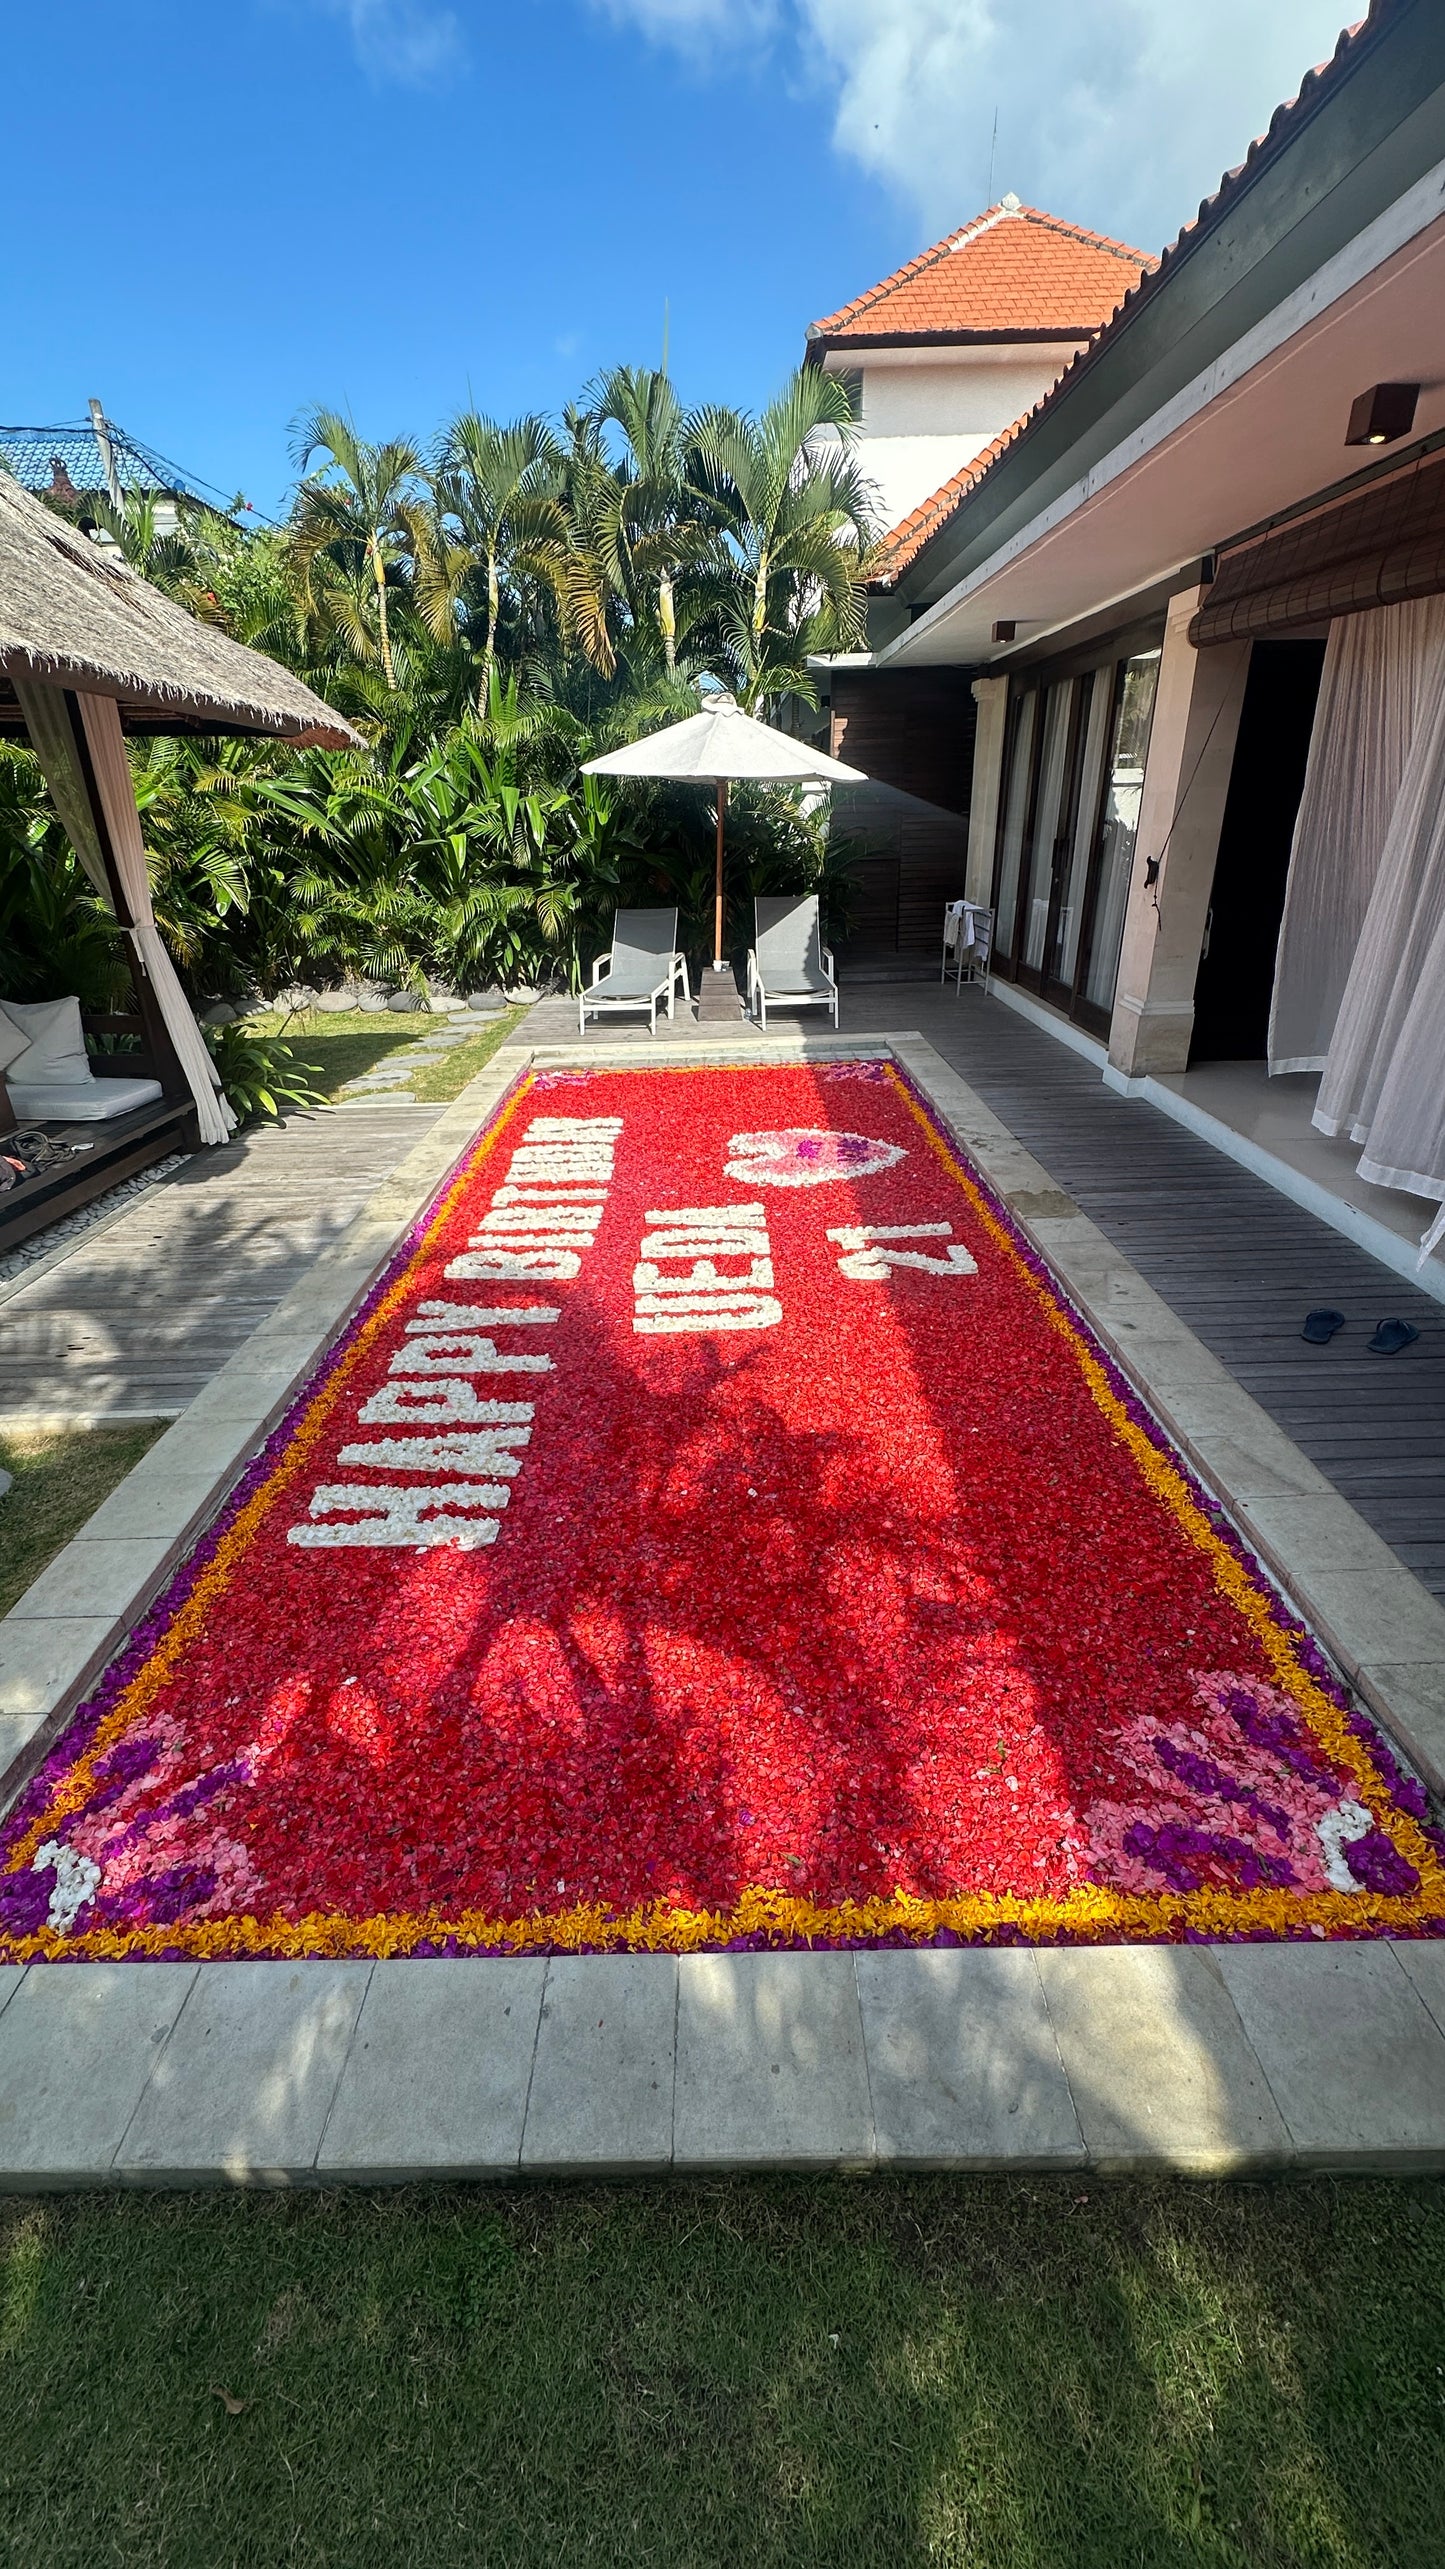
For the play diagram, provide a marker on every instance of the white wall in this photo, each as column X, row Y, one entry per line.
column 905, row 470
column 926, row 412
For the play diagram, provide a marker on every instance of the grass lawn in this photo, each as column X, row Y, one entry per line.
column 448, row 1075
column 60, row 1480
column 341, row 1046
column 988, row 2375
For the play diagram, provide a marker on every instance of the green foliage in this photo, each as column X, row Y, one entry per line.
column 489, row 615
column 260, row 1073
column 56, row 935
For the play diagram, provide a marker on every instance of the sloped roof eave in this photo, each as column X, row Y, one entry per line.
column 1317, row 86
column 821, row 344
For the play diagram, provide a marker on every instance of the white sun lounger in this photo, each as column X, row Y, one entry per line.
column 643, row 967
column 788, row 967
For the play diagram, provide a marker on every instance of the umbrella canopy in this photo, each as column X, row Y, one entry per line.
column 720, row 742
column 710, row 748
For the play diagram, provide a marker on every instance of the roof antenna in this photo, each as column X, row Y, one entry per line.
column 993, row 146
column 101, row 427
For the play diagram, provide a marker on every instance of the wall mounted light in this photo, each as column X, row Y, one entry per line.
column 1382, row 414
column 1005, row 629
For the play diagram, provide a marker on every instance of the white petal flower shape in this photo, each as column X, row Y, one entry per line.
column 807, row 1155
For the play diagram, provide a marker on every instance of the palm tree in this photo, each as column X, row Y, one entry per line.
column 348, row 518
column 799, row 520
column 662, row 526
column 499, row 487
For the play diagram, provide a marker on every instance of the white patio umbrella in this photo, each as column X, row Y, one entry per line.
column 711, row 748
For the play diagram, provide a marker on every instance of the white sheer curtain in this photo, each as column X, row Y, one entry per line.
column 52, row 737
column 106, row 742
column 1376, row 668
column 47, row 720
column 1384, row 1072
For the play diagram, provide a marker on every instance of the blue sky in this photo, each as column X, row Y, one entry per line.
column 228, row 212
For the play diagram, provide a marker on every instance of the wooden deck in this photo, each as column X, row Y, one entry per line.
column 138, row 1317
column 105, row 1154
column 1238, row 1262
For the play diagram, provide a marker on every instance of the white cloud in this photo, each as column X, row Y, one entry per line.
column 402, row 40
column 698, row 28
column 1121, row 113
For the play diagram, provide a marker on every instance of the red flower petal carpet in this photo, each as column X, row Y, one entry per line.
column 715, row 1529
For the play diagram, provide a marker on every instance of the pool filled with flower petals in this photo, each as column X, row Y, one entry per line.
column 716, row 1528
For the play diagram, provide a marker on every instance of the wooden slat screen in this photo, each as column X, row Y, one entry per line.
column 1385, row 544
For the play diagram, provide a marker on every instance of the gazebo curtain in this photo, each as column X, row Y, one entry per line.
column 1360, row 984
column 47, row 719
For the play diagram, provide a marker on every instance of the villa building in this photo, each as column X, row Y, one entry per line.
column 946, row 357
column 960, row 344
column 1196, row 603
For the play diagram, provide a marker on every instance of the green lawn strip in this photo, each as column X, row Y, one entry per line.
column 60, row 1480
column 339, row 1048
column 919, row 2374
column 447, row 1076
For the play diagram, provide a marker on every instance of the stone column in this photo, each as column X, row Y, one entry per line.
column 991, row 697
column 1191, row 753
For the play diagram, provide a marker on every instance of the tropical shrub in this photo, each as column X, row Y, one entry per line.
column 260, row 1074
column 489, row 613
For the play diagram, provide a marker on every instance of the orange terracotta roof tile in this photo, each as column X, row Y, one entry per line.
column 1011, row 272
column 902, row 545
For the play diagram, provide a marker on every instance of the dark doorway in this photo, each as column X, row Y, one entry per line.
column 1236, row 974
column 911, row 733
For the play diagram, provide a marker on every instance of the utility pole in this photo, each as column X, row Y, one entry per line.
column 107, row 454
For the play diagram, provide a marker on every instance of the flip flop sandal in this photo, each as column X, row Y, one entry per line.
column 1320, row 1327
column 1390, row 1337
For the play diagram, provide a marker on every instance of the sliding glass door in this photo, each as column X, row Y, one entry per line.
column 1135, row 682
column 1074, row 756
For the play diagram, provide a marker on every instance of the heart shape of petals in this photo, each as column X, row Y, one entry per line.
column 807, row 1155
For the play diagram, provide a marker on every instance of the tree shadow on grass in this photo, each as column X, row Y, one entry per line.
column 926, row 2373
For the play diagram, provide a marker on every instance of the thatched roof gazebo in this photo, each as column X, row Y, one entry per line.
column 74, row 615
column 88, row 652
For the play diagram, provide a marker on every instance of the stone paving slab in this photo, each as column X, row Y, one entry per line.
column 963, row 2063
column 601, row 2098
column 437, row 2074
column 770, row 2063
column 1158, row 2064
column 77, row 2046
column 246, row 2079
column 1351, row 2052
column 1130, row 2058
column 1121, row 2060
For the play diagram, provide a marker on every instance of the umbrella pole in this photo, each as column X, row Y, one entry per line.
column 717, row 913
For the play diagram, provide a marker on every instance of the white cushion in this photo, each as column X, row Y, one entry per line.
column 81, row 1101
column 51, row 1031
